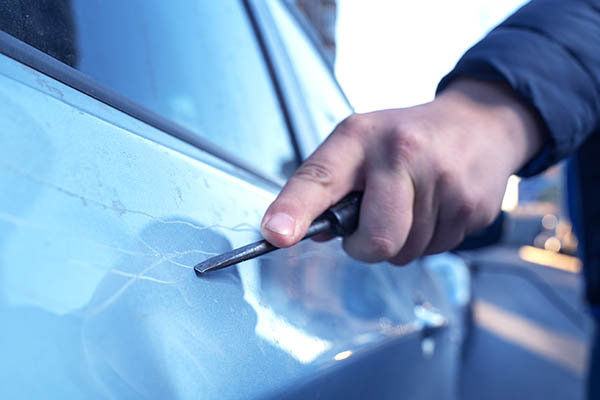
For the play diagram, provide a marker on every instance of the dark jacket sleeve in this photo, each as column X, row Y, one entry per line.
column 549, row 53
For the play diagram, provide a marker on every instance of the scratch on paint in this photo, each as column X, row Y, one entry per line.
column 142, row 275
column 180, row 264
column 147, row 245
column 188, row 252
column 117, row 271
column 120, row 209
column 122, row 289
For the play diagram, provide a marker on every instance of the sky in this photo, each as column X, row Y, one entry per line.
column 392, row 53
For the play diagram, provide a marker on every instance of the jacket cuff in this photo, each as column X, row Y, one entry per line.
column 544, row 76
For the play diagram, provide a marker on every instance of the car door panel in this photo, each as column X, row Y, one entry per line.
column 102, row 218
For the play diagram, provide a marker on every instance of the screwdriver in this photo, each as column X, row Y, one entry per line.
column 339, row 220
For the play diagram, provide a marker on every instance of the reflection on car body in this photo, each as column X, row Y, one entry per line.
column 112, row 192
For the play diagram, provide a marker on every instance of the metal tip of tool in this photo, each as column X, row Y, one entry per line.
column 233, row 257
column 250, row 251
column 341, row 219
column 199, row 269
column 211, row 264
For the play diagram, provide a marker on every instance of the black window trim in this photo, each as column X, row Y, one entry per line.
column 286, row 73
column 277, row 86
column 285, row 76
column 47, row 65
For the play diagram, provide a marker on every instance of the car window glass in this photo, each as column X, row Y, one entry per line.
column 325, row 100
column 196, row 63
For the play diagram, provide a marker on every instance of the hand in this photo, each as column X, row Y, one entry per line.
column 431, row 174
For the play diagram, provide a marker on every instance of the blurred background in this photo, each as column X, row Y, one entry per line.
column 530, row 328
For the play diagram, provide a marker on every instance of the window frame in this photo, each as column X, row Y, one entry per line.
column 298, row 109
column 38, row 60
column 312, row 36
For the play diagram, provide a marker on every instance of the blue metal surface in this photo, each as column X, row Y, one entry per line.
column 101, row 220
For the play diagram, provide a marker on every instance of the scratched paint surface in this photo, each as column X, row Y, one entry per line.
column 100, row 227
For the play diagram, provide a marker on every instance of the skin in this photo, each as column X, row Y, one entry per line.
column 431, row 174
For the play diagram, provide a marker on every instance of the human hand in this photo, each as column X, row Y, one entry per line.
column 430, row 174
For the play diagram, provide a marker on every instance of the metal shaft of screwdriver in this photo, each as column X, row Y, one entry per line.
column 255, row 249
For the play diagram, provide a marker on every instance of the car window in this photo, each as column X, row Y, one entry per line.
column 195, row 63
column 325, row 100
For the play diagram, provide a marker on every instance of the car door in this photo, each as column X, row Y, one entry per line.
column 138, row 139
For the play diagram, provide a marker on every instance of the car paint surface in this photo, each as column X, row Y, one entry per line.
column 102, row 218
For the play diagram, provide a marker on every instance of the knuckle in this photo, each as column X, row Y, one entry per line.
column 468, row 200
column 380, row 247
column 401, row 147
column 352, row 125
column 468, row 206
column 445, row 174
column 316, row 172
column 353, row 128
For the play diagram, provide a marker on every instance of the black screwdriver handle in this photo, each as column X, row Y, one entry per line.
column 339, row 220
column 344, row 215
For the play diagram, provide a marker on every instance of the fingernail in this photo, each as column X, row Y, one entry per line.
column 281, row 223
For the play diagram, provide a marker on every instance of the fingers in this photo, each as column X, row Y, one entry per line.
column 458, row 216
column 385, row 217
column 449, row 229
column 425, row 214
column 449, row 233
column 428, row 179
column 332, row 171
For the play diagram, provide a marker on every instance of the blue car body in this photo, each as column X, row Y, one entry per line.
column 109, row 199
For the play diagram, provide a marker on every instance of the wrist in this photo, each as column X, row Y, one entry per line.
column 495, row 110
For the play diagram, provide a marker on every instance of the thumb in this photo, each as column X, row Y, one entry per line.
column 332, row 171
